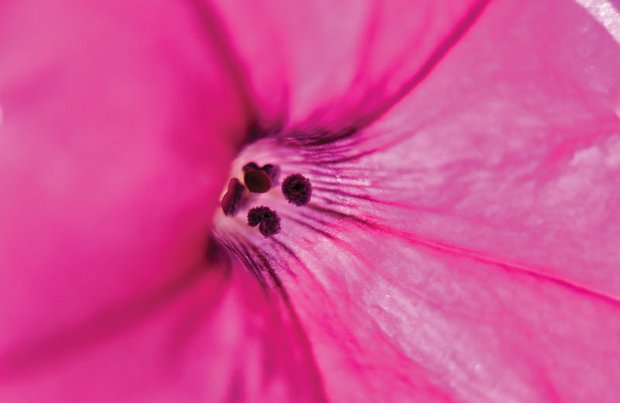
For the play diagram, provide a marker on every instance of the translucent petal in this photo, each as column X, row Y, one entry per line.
column 464, row 246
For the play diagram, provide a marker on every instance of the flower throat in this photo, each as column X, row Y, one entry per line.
column 257, row 180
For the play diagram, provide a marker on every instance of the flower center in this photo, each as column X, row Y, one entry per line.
column 258, row 180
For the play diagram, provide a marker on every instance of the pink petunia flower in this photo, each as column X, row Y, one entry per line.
column 459, row 241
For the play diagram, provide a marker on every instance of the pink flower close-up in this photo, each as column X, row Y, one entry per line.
column 310, row 201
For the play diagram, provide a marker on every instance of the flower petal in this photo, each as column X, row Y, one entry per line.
column 210, row 336
column 118, row 123
column 522, row 165
column 464, row 247
column 322, row 65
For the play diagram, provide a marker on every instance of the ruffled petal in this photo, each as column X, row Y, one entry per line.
column 118, row 123
column 464, row 247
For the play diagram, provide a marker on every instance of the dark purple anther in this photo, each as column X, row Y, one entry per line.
column 267, row 220
column 257, row 181
column 272, row 171
column 297, row 189
column 232, row 198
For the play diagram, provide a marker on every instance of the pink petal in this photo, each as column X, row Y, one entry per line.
column 465, row 247
column 118, row 124
column 523, row 164
column 325, row 65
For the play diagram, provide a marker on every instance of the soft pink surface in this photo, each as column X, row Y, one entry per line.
column 486, row 269
column 119, row 121
column 325, row 63
column 489, row 270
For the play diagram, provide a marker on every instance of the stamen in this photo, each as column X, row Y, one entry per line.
column 272, row 171
column 267, row 220
column 256, row 214
column 257, row 181
column 297, row 189
column 231, row 202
